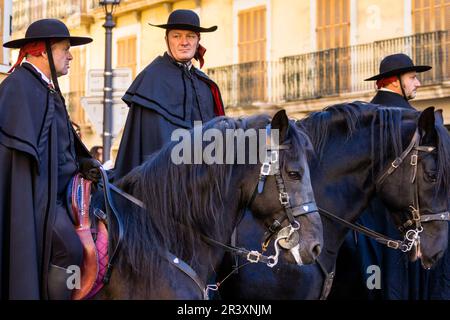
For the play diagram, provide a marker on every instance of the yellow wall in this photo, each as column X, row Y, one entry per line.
column 96, row 50
column 219, row 44
column 184, row 4
column 380, row 19
column 152, row 41
column 291, row 28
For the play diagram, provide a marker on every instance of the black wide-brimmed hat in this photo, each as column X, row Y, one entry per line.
column 397, row 64
column 47, row 29
column 184, row 20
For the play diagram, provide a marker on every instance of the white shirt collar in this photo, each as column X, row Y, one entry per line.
column 386, row 89
column 44, row 77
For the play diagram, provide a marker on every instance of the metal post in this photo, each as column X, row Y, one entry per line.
column 108, row 90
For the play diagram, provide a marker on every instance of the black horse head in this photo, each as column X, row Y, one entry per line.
column 421, row 176
column 306, row 242
column 406, row 149
column 355, row 145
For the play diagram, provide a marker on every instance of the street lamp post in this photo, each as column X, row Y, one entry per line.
column 108, row 86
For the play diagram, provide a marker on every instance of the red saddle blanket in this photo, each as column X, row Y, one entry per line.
column 95, row 248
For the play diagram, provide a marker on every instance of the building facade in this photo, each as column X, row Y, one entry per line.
column 5, row 33
column 266, row 54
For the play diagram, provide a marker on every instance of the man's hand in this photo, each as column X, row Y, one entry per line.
column 89, row 169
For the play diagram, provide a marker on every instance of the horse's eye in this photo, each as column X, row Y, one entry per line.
column 294, row 175
column 432, row 176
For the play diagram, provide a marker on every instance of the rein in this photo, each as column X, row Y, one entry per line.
column 109, row 204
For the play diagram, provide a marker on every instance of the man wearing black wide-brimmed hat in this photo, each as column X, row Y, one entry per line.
column 399, row 279
column 39, row 153
column 397, row 81
column 168, row 94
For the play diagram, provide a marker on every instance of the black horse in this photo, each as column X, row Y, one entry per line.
column 171, row 249
column 356, row 144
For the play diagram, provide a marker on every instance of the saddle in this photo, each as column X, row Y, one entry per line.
column 93, row 234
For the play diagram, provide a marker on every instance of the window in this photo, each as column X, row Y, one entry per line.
column 252, row 35
column 430, row 15
column 126, row 54
column 333, row 24
column 252, row 54
column 77, row 80
column 431, row 23
column 333, row 41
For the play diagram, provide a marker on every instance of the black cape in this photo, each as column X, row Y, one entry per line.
column 400, row 279
column 162, row 98
column 28, row 182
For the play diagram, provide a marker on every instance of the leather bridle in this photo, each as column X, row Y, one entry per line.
column 287, row 237
column 412, row 235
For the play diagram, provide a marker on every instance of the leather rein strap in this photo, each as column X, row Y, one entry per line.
column 111, row 211
column 391, row 243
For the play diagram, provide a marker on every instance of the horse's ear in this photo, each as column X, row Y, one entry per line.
column 426, row 123
column 281, row 122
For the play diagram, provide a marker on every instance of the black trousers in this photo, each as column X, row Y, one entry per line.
column 67, row 249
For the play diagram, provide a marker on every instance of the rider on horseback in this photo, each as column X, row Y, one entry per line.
column 39, row 154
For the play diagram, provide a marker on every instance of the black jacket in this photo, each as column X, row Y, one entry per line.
column 391, row 99
column 163, row 97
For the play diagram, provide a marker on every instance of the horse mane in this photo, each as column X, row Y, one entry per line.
column 443, row 150
column 183, row 202
column 351, row 116
column 317, row 124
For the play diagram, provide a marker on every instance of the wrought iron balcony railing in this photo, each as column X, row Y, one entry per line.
column 330, row 72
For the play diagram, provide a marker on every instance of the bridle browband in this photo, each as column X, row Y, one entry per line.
column 412, row 236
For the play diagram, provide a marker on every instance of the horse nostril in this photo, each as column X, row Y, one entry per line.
column 316, row 250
